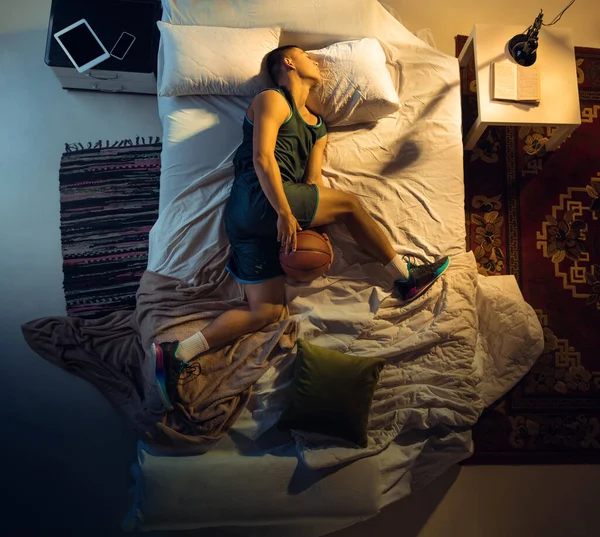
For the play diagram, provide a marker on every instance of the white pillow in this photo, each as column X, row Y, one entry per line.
column 356, row 85
column 210, row 60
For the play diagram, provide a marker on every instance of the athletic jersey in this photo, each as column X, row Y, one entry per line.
column 295, row 141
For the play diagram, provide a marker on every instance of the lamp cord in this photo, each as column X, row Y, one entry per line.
column 558, row 17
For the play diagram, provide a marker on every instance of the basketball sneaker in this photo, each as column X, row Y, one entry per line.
column 170, row 370
column 420, row 277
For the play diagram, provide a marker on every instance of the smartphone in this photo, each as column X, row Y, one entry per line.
column 122, row 45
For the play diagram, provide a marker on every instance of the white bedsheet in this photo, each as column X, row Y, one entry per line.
column 451, row 352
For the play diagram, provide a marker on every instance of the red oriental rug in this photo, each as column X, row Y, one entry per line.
column 536, row 215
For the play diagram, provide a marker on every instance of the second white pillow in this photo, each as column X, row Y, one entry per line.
column 210, row 60
column 356, row 85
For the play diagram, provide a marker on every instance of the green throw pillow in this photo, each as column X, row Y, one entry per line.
column 332, row 393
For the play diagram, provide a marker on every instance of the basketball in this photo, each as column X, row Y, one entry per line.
column 312, row 258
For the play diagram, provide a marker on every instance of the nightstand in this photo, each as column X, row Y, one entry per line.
column 559, row 99
column 136, row 72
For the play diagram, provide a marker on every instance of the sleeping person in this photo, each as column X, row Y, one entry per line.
column 278, row 191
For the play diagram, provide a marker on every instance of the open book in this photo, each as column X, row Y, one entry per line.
column 513, row 82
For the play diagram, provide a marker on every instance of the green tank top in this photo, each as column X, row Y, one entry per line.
column 295, row 141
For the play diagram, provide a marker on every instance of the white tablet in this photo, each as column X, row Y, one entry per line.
column 82, row 45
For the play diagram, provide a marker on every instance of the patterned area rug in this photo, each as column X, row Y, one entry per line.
column 536, row 215
column 108, row 204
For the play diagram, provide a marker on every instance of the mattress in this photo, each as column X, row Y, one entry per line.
column 448, row 355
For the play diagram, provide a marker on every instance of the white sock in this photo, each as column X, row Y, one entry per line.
column 398, row 268
column 191, row 347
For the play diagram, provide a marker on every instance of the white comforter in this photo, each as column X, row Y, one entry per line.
column 451, row 352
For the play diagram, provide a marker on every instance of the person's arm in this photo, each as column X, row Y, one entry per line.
column 312, row 173
column 270, row 111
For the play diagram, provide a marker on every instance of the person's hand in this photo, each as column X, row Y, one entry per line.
column 326, row 237
column 287, row 227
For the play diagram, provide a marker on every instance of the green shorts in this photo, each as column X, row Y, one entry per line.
column 251, row 224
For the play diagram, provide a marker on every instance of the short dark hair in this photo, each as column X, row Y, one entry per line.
column 274, row 61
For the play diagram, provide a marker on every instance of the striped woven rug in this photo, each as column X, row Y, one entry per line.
column 108, row 204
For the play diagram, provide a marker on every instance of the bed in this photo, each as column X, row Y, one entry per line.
column 448, row 355
column 408, row 171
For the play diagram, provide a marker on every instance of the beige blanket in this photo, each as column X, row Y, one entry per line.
column 112, row 353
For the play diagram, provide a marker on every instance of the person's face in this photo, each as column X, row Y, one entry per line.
column 305, row 65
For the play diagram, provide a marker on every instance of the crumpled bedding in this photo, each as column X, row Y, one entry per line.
column 449, row 356
column 113, row 353
column 450, row 353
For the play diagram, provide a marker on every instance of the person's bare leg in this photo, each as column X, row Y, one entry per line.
column 410, row 281
column 335, row 206
column 265, row 304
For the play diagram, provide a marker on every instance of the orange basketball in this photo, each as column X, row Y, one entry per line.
column 312, row 258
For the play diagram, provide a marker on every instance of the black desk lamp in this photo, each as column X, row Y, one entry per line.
column 522, row 47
